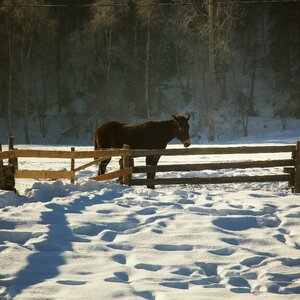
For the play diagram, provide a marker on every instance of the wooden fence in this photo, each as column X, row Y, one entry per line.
column 290, row 171
column 290, row 167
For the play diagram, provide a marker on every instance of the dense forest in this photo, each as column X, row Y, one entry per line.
column 67, row 66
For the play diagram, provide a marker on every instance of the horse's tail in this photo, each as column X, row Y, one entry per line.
column 96, row 145
column 95, row 142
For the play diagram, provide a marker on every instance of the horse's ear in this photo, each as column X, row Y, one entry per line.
column 175, row 117
column 187, row 116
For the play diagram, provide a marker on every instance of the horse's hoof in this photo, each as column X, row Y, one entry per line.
column 151, row 187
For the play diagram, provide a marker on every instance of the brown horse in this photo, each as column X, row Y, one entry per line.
column 149, row 135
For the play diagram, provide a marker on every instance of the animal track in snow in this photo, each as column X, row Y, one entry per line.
column 176, row 285
column 71, row 282
column 124, row 247
column 209, row 269
column 184, row 271
column 148, row 267
column 222, row 251
column 18, row 237
column 108, row 236
column 231, row 241
column 162, row 247
column 120, row 258
column 90, row 230
column 252, row 261
column 121, row 277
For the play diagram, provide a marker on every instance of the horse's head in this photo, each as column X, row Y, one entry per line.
column 182, row 129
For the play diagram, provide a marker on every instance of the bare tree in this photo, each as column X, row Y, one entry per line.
column 8, row 12
column 22, row 26
column 151, row 16
column 210, row 24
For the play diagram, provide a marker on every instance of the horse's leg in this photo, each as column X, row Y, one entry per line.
column 151, row 160
column 102, row 166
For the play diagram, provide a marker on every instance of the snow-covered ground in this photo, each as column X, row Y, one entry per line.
column 96, row 240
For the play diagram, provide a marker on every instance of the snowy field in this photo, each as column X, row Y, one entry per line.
column 97, row 240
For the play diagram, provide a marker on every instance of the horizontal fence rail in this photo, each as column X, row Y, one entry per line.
column 215, row 150
column 44, row 174
column 211, row 180
column 143, row 152
column 214, row 166
column 71, row 154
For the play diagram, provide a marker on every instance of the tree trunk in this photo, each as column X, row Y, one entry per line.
column 147, row 67
column 10, row 28
column 212, row 74
column 109, row 52
column 135, row 67
column 25, row 61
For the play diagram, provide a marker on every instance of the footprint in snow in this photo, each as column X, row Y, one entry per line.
column 210, row 269
column 148, row 267
column 121, row 277
column 231, row 241
column 186, row 201
column 184, row 271
column 173, row 247
column 236, row 223
column 158, row 231
column 120, row 258
column 18, row 237
column 104, row 211
column 109, row 236
column 240, row 290
column 222, row 252
column 238, row 281
column 162, row 224
column 145, row 295
column 290, row 262
column 280, row 238
column 146, row 211
column 71, row 282
column 90, row 230
column 252, row 261
column 123, row 247
column 176, row 285
column 208, row 281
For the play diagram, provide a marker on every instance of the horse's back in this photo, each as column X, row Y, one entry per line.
column 107, row 135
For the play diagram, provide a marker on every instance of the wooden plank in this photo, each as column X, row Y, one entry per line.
column 143, row 152
column 94, row 162
column 297, row 169
column 214, row 150
column 45, row 174
column 211, row 180
column 69, row 154
column 14, row 160
column 126, row 164
column 113, row 175
column 7, row 154
column 72, row 165
column 214, row 166
column 11, row 147
column 2, row 178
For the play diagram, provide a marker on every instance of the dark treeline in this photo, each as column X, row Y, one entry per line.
column 69, row 66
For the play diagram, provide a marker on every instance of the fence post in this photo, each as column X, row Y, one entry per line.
column 13, row 161
column 2, row 179
column 72, row 164
column 297, row 168
column 126, row 164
